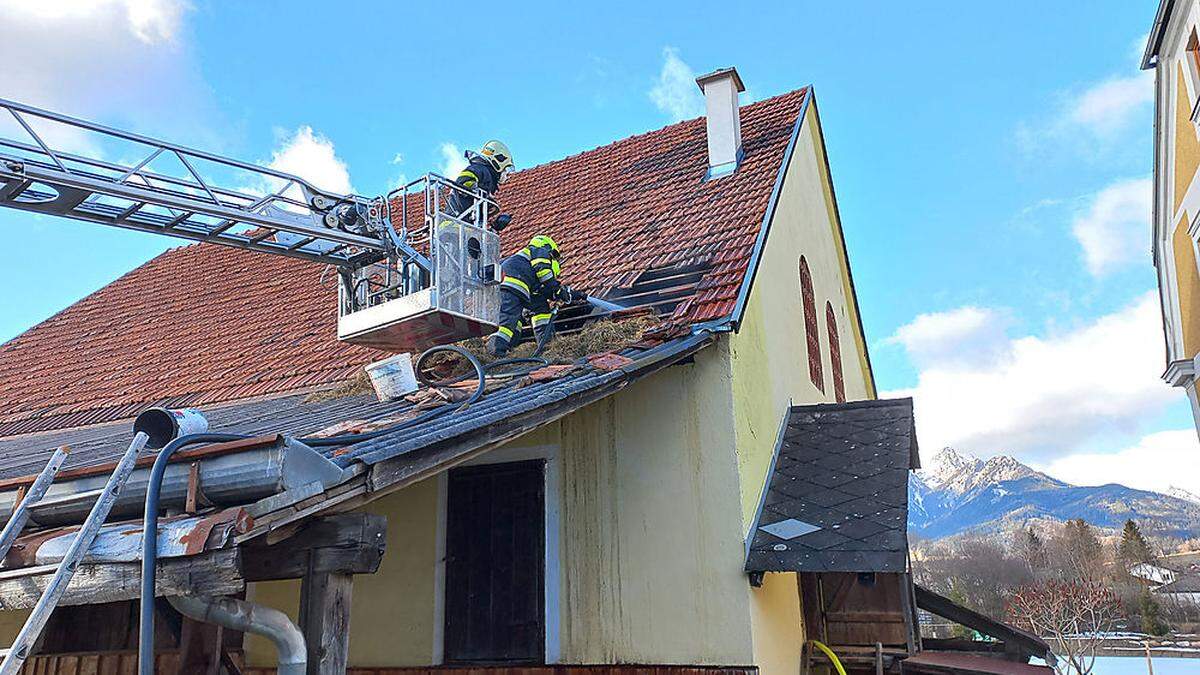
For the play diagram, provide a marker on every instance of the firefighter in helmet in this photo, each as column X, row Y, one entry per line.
column 530, row 284
column 485, row 171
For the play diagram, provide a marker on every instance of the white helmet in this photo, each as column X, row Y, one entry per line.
column 497, row 154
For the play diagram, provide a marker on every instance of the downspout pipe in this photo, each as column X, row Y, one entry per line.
column 248, row 617
column 150, row 543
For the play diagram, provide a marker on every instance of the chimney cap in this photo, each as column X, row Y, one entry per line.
column 721, row 73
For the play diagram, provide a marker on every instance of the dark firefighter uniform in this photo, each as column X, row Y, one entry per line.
column 530, row 283
column 479, row 175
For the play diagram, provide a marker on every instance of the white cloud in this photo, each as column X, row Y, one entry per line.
column 1095, row 120
column 1109, row 107
column 453, row 160
column 123, row 61
column 399, row 180
column 311, row 156
column 1043, row 396
column 1157, row 462
column 1114, row 230
column 968, row 333
column 676, row 93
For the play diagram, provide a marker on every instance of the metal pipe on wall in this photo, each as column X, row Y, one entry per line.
column 248, row 617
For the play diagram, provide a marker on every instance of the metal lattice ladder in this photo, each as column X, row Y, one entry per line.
column 22, row 647
column 177, row 191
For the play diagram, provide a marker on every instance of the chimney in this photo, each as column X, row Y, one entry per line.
column 721, row 89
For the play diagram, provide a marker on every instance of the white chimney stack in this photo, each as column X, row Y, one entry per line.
column 721, row 89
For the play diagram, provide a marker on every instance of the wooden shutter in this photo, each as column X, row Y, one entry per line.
column 495, row 564
column 812, row 335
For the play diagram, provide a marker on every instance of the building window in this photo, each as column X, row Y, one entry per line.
column 835, row 354
column 812, row 334
column 1193, row 52
column 1193, row 68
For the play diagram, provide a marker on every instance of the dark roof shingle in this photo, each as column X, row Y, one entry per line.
column 836, row 498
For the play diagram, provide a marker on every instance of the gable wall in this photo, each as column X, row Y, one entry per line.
column 650, row 534
column 769, row 362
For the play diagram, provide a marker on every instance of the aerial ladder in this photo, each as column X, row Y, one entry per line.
column 412, row 272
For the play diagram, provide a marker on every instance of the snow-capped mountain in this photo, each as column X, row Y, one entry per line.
column 1180, row 493
column 956, row 493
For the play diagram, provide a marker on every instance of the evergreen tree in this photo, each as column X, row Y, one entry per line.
column 1133, row 548
column 1084, row 554
column 959, row 598
column 1152, row 618
column 1032, row 549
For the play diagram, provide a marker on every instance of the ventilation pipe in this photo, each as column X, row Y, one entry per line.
column 721, row 89
column 248, row 617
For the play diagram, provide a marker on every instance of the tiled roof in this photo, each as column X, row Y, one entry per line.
column 204, row 324
column 837, row 494
column 294, row 416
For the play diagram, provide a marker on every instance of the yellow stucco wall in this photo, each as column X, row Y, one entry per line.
column 391, row 614
column 778, row 624
column 770, row 363
column 1187, row 146
column 769, row 359
column 651, row 524
column 10, row 625
column 1188, row 283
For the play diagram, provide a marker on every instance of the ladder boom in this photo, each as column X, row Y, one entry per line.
column 429, row 275
column 177, row 191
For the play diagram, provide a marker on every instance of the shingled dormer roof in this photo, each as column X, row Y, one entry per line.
column 836, row 496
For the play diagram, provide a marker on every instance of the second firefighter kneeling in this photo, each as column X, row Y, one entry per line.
column 530, row 284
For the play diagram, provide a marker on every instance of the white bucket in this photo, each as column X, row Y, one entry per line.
column 393, row 377
column 164, row 425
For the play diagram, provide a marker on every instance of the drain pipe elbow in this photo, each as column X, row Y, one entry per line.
column 248, row 617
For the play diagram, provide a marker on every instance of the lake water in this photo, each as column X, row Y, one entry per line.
column 1122, row 665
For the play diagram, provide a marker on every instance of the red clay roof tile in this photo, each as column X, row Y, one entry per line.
column 203, row 324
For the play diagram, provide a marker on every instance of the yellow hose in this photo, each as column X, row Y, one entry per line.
column 832, row 657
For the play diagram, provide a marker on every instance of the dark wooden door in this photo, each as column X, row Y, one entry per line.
column 494, row 564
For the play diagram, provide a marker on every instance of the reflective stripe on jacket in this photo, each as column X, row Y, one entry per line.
column 532, row 272
column 479, row 175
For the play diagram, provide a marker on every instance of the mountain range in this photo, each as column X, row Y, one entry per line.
column 956, row 493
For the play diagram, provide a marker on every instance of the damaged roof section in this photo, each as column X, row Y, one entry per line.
column 389, row 460
column 836, row 498
column 264, row 325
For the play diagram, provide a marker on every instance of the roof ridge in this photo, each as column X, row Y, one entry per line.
column 867, row 403
column 659, row 130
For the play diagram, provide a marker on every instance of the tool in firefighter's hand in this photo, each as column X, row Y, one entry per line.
column 545, row 333
column 501, row 222
column 604, row 304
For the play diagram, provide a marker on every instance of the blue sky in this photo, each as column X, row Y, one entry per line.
column 991, row 162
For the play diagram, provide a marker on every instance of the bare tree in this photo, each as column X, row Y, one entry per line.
column 1074, row 616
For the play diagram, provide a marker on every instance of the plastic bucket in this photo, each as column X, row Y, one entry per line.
column 393, row 377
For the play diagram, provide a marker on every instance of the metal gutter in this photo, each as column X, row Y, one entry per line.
column 215, row 450
column 1157, row 32
column 236, row 475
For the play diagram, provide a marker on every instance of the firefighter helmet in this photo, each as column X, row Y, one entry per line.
column 544, row 240
column 497, row 154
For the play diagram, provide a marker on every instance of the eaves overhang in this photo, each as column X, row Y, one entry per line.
column 1157, row 32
